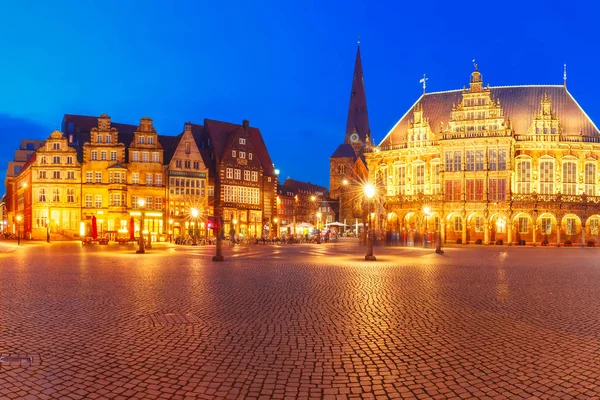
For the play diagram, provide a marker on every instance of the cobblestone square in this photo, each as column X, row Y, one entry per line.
column 298, row 321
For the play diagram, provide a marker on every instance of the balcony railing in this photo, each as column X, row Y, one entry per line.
column 557, row 138
column 521, row 198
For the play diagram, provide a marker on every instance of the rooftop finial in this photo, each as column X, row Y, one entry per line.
column 358, row 41
column 424, row 82
column 475, row 65
column 565, row 76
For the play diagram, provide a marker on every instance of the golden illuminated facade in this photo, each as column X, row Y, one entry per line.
column 147, row 178
column 104, row 180
column 512, row 165
column 188, row 188
column 56, row 189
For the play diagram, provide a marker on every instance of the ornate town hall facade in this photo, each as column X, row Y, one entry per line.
column 488, row 164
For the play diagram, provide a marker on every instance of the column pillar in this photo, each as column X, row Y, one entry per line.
column 534, row 229
column 509, row 234
column 557, row 232
column 443, row 231
column 464, row 231
column 486, row 233
column 583, row 232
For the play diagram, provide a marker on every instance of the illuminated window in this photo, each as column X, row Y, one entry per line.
column 594, row 226
column 233, row 154
column 150, row 139
column 55, row 174
column 501, row 160
column 158, row 179
column 148, row 179
column 590, row 179
column 242, row 154
column 546, row 226
column 229, row 173
column 155, row 157
column 569, row 178
column 547, row 177
column 41, row 174
column 89, row 176
column 571, row 225
column 458, row 161
column 56, row 195
column 113, row 156
column 135, row 156
column 43, row 160
column 145, row 156
column 242, row 141
column 470, row 160
column 254, row 176
column 70, row 195
column 479, row 160
column 134, row 202
column 98, row 202
column 42, row 195
column 435, row 179
column 88, row 200
column 55, row 146
column 135, row 178
column 94, row 155
column 237, row 173
column 419, row 186
column 457, row 224
column 249, row 156
column 98, row 177
column 141, row 140
column 246, row 175
column 524, row 176
column 400, row 172
column 108, row 139
column 523, row 224
column 99, row 138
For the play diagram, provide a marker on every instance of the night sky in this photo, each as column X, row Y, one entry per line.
column 285, row 66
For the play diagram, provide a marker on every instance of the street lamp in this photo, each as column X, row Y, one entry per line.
column 18, row 230
column 344, row 183
column 194, row 212
column 370, row 192
column 427, row 212
column 170, row 231
column 141, row 204
column 318, row 230
column 275, row 221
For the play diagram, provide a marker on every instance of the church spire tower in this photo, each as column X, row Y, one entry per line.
column 357, row 126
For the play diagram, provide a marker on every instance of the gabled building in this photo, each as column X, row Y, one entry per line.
column 248, row 181
column 147, row 177
column 310, row 200
column 507, row 164
column 187, row 184
column 56, row 190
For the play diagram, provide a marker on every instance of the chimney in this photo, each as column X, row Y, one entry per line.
column 245, row 123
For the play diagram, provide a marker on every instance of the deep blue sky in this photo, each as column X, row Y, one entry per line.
column 285, row 66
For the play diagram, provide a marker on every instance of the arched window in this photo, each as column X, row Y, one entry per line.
column 524, row 176
column 569, row 178
column 547, row 177
column 590, row 179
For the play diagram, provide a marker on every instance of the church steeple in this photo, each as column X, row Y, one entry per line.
column 358, row 118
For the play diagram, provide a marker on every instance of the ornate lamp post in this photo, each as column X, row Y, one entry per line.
column 19, row 230
column 427, row 212
column 194, row 213
column 370, row 192
column 141, row 204
column 170, row 231
column 275, row 221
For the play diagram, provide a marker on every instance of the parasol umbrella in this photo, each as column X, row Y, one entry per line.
column 131, row 229
column 94, row 227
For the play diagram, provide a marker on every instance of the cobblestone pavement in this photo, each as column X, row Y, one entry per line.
column 300, row 321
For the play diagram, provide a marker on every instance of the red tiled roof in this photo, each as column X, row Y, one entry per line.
column 519, row 103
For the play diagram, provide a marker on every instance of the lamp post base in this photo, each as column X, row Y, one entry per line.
column 140, row 251
column 218, row 258
column 370, row 258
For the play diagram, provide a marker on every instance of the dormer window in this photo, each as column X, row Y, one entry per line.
column 242, row 141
